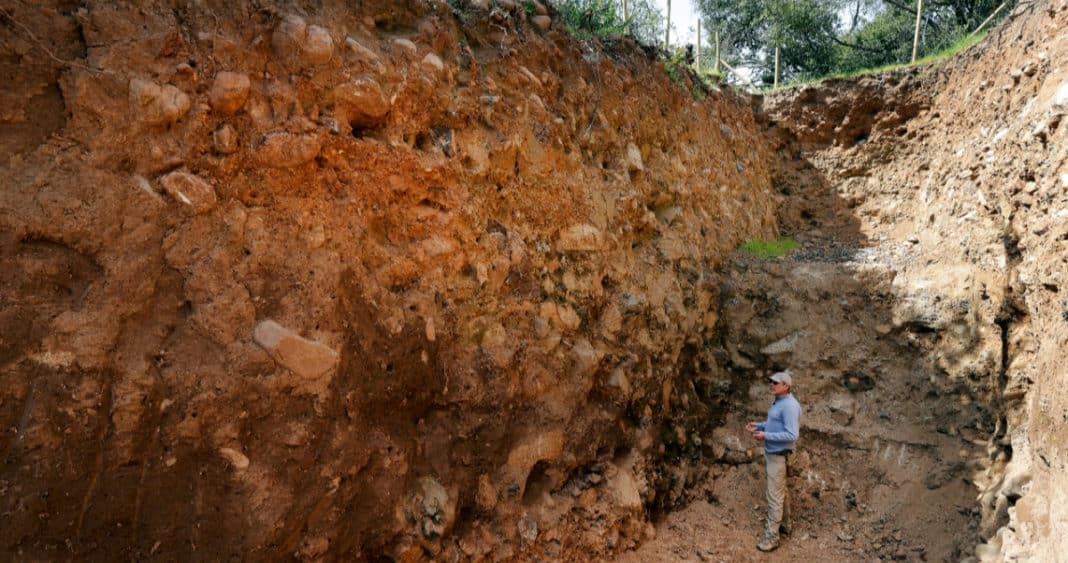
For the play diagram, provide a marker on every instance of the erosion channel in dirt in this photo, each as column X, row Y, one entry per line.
column 440, row 281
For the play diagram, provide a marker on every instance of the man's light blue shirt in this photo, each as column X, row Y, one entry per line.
column 783, row 425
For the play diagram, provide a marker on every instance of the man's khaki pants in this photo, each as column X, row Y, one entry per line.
column 778, row 499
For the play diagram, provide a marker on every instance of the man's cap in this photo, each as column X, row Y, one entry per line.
column 782, row 377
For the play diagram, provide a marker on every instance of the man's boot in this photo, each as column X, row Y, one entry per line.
column 769, row 543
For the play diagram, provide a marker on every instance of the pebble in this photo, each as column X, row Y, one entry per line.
column 157, row 105
column 285, row 150
column 190, row 190
column 1059, row 104
column 406, row 46
column 359, row 52
column 229, row 92
column 361, row 103
column 580, row 238
column 237, row 459
column 306, row 358
column 433, row 63
column 296, row 41
column 543, row 23
column 318, row 46
column 528, row 528
column 633, row 159
column 224, row 139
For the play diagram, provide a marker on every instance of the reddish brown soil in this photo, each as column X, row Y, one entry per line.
column 425, row 281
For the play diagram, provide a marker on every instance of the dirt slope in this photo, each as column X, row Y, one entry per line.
column 317, row 280
column 975, row 183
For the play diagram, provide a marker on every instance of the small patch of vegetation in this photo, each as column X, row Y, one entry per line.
column 769, row 248
column 604, row 18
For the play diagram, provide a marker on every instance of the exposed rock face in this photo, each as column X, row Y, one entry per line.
column 962, row 169
column 448, row 284
column 440, row 294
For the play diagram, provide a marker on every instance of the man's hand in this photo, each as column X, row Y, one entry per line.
column 758, row 435
column 751, row 426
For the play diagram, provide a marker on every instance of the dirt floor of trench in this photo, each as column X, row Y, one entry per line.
column 883, row 466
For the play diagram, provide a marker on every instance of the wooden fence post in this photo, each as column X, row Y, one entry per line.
column 698, row 45
column 775, row 81
column 667, row 30
column 916, row 35
column 717, row 52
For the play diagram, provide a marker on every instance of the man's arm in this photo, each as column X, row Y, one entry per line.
column 792, row 424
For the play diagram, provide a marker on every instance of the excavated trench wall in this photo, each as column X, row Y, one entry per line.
column 430, row 281
column 401, row 279
column 965, row 166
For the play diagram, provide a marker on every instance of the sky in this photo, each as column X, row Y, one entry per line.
column 684, row 18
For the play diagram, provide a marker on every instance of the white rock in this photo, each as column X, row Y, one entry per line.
column 1059, row 105
column 580, row 238
column 633, row 159
column 406, row 46
column 306, row 358
column 781, row 346
column 155, row 104
column 236, row 458
column 433, row 63
column 359, row 52
column 190, row 190
column 623, row 490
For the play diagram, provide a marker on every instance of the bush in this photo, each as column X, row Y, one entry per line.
column 605, row 17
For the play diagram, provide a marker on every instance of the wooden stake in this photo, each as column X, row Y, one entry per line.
column 626, row 16
column 916, row 35
column 740, row 77
column 698, row 45
column 987, row 20
column 717, row 52
column 667, row 29
column 775, row 80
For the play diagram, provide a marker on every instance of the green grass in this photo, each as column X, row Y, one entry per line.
column 960, row 45
column 769, row 248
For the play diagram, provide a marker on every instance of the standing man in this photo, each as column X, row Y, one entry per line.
column 779, row 434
